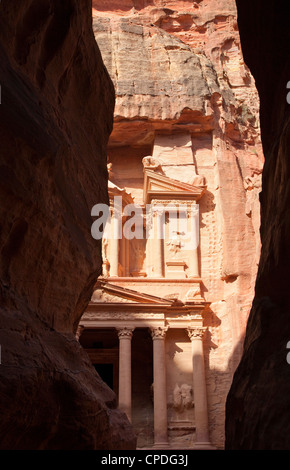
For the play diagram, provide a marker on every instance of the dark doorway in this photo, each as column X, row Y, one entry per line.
column 102, row 347
column 106, row 372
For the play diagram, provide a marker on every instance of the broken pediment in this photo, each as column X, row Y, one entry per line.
column 105, row 292
column 102, row 296
column 160, row 187
column 116, row 191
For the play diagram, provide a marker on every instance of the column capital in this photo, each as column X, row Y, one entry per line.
column 196, row 332
column 193, row 210
column 125, row 332
column 158, row 210
column 158, row 332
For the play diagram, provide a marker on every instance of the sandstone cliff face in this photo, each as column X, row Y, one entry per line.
column 178, row 70
column 258, row 402
column 56, row 117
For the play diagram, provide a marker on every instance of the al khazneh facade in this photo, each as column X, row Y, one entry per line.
column 151, row 291
column 166, row 322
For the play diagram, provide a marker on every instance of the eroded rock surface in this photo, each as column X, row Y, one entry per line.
column 56, row 117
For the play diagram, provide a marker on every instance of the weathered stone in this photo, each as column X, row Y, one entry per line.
column 258, row 402
column 185, row 97
column 56, row 116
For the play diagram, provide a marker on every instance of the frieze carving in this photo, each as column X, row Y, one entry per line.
column 186, row 317
column 122, row 316
column 183, row 204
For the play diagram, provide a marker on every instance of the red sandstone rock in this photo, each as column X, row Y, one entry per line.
column 56, row 116
column 178, row 68
column 258, row 402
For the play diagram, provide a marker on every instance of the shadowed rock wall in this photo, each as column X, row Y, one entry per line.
column 257, row 414
column 56, row 116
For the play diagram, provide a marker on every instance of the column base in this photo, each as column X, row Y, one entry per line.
column 203, row 446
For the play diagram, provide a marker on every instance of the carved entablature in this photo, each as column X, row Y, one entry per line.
column 140, row 311
column 115, row 315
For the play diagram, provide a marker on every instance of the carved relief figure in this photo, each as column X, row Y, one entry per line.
column 182, row 397
column 175, row 243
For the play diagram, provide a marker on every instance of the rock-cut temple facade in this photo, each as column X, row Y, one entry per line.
column 165, row 325
column 144, row 328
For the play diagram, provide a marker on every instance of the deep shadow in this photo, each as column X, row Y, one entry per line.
column 258, row 403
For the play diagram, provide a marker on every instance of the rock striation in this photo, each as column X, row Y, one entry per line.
column 258, row 402
column 185, row 96
column 56, row 113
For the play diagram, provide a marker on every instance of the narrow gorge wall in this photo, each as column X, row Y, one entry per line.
column 56, row 115
column 185, row 96
column 258, row 402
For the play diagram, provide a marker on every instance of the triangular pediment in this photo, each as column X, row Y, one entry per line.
column 105, row 292
column 159, row 186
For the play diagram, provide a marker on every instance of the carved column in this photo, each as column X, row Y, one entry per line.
column 127, row 257
column 158, row 243
column 125, row 385
column 116, row 230
column 159, row 384
column 193, row 216
column 199, row 387
column 125, row 253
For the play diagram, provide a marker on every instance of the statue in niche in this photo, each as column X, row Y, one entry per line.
column 175, row 244
column 152, row 163
column 197, row 180
column 182, row 397
column 138, row 250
